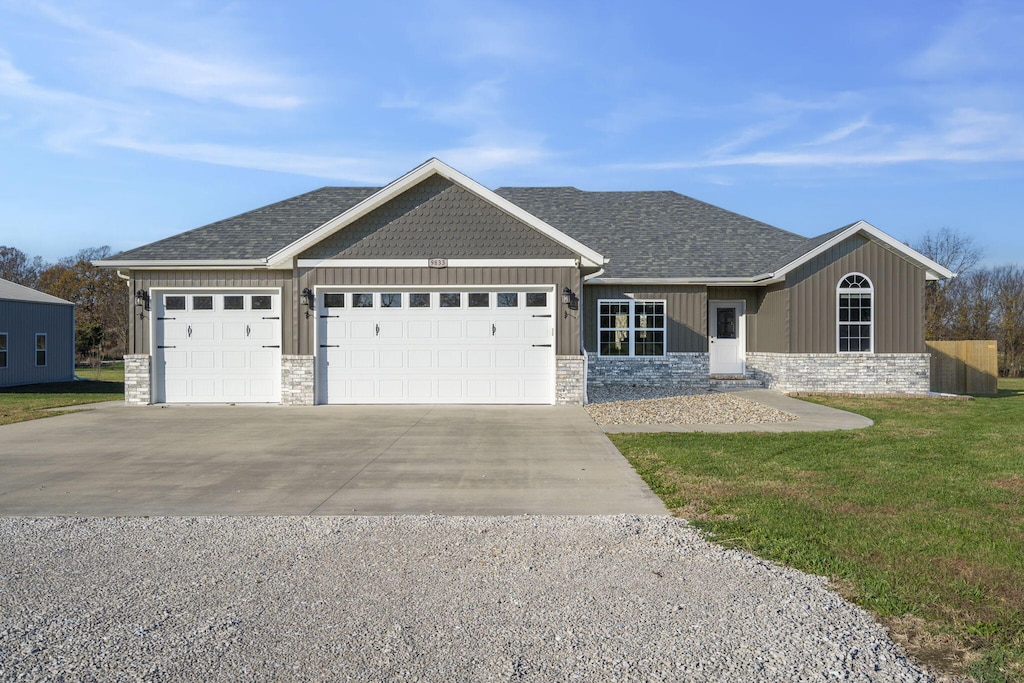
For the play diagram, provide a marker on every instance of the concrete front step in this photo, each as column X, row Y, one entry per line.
column 735, row 384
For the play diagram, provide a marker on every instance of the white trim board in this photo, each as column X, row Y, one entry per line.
column 424, row 263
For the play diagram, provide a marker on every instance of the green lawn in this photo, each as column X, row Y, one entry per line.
column 919, row 519
column 31, row 402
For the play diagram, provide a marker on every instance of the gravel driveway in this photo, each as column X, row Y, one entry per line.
column 416, row 598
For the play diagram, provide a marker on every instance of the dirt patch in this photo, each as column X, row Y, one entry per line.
column 939, row 652
column 1011, row 484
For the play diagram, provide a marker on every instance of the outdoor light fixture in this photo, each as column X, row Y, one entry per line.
column 309, row 299
column 142, row 301
column 570, row 299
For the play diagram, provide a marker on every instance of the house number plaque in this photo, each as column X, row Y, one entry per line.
column 437, row 262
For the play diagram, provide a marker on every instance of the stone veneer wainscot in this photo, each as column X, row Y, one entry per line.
column 569, row 380
column 690, row 370
column 136, row 379
column 853, row 373
column 297, row 380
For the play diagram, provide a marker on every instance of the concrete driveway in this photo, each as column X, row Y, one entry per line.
column 323, row 460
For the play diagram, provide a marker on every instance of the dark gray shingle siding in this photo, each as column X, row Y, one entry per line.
column 438, row 218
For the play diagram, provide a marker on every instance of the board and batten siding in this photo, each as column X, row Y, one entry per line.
column 771, row 324
column 898, row 298
column 567, row 327
column 686, row 308
column 212, row 279
column 22, row 320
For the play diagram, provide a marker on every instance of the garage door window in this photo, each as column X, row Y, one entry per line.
column 419, row 300
column 479, row 299
column 451, row 300
column 508, row 300
column 390, row 300
column 536, row 299
column 234, row 303
column 202, row 303
column 261, row 302
column 174, row 303
column 362, row 300
column 334, row 300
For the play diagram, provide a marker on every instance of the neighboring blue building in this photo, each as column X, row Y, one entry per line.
column 37, row 336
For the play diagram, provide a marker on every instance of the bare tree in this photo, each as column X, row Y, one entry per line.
column 945, row 317
column 17, row 267
column 1008, row 317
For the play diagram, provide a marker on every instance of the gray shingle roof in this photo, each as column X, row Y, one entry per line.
column 11, row 291
column 643, row 234
column 255, row 234
column 659, row 234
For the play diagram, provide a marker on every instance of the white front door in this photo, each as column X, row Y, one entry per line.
column 727, row 337
column 217, row 347
column 452, row 346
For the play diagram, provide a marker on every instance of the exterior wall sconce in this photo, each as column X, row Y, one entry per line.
column 309, row 299
column 142, row 301
column 570, row 300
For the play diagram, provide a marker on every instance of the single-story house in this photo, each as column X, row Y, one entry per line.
column 437, row 289
column 37, row 336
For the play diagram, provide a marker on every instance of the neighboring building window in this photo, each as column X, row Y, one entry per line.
column 3, row 349
column 40, row 349
column 855, row 315
column 631, row 328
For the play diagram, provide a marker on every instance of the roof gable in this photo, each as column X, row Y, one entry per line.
column 437, row 217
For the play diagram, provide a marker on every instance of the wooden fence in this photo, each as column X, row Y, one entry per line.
column 964, row 367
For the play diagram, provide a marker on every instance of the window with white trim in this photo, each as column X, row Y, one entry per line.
column 630, row 328
column 855, row 305
column 40, row 349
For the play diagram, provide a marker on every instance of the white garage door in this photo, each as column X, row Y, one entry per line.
column 436, row 347
column 217, row 347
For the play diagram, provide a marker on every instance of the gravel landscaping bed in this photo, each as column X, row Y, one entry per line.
column 426, row 598
column 658, row 405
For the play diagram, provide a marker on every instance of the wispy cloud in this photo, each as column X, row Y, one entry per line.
column 200, row 74
column 984, row 38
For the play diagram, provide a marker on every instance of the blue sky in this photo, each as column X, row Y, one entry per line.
column 122, row 123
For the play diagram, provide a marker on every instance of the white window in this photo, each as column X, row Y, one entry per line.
column 630, row 328
column 40, row 349
column 3, row 349
column 855, row 307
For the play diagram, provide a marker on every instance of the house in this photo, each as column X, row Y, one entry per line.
column 437, row 289
column 37, row 336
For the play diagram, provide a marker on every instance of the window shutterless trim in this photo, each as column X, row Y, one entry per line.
column 868, row 291
column 4, row 349
column 631, row 329
column 37, row 350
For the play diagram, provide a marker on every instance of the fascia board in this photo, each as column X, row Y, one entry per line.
column 395, row 188
column 425, row 263
column 935, row 271
column 164, row 264
column 713, row 281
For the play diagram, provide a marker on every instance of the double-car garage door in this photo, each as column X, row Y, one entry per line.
column 408, row 346
column 371, row 346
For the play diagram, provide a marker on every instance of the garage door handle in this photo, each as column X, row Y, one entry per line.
column 248, row 330
column 541, row 315
column 494, row 329
column 166, row 347
column 271, row 317
column 189, row 331
column 166, row 318
column 329, row 346
column 330, row 316
column 271, row 346
column 378, row 329
column 548, row 345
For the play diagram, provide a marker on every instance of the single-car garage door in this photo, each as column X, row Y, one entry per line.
column 217, row 347
column 494, row 346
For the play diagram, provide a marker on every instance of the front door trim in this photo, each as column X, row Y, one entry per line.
column 727, row 357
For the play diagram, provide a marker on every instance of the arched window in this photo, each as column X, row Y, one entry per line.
column 855, row 306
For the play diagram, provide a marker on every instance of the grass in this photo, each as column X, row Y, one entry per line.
column 919, row 519
column 30, row 402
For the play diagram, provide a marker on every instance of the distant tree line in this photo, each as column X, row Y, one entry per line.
column 979, row 303
column 101, row 311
